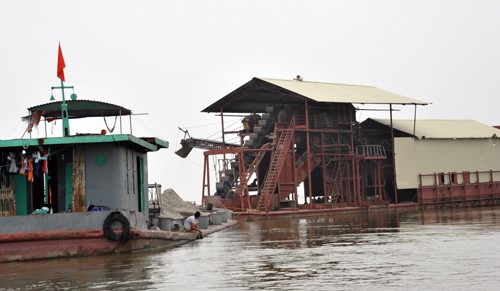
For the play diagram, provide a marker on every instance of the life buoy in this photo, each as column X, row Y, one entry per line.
column 107, row 228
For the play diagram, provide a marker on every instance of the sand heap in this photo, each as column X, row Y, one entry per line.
column 173, row 207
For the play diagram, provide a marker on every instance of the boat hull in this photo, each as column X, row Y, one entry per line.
column 67, row 243
column 38, row 245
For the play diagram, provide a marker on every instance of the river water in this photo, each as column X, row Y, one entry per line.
column 446, row 249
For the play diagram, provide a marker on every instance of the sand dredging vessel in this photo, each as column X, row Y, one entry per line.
column 301, row 151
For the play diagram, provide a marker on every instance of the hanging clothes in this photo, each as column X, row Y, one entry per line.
column 30, row 172
column 36, row 165
column 45, row 165
column 12, row 160
column 24, row 166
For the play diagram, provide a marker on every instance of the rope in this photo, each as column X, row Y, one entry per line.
column 114, row 125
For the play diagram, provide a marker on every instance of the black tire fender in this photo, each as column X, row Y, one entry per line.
column 113, row 217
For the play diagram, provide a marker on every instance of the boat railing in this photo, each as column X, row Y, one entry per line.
column 458, row 186
column 154, row 198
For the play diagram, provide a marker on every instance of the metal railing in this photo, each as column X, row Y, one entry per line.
column 370, row 151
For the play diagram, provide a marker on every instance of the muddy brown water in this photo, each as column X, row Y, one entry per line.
column 446, row 249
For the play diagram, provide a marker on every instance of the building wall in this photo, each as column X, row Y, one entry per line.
column 112, row 177
column 425, row 156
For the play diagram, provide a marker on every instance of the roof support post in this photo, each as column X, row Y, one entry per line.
column 308, row 148
column 206, row 179
column 414, row 120
column 223, row 134
column 121, row 128
column 354, row 161
column 393, row 159
column 130, row 120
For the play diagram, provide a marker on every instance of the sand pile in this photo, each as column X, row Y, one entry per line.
column 173, row 207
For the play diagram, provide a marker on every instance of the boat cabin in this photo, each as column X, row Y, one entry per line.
column 75, row 173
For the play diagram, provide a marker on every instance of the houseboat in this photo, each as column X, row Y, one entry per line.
column 79, row 194
column 301, row 151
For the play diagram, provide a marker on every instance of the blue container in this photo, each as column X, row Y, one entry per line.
column 216, row 218
column 203, row 222
column 166, row 224
column 223, row 215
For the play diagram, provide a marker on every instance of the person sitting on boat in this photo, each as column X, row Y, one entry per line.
column 191, row 224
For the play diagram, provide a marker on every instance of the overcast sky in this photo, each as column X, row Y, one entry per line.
column 171, row 59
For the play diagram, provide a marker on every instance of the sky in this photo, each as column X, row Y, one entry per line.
column 168, row 60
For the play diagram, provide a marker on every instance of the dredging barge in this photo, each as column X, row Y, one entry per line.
column 304, row 135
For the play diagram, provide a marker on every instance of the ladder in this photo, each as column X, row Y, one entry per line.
column 277, row 162
column 336, row 185
column 251, row 169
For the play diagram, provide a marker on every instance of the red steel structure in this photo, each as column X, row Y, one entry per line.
column 293, row 140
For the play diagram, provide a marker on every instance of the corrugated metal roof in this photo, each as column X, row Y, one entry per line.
column 341, row 93
column 464, row 128
column 80, row 108
column 258, row 93
column 141, row 144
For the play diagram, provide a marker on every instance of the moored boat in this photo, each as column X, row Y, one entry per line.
column 78, row 194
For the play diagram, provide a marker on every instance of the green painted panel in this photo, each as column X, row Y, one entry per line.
column 68, row 177
column 140, row 164
column 85, row 139
column 21, row 194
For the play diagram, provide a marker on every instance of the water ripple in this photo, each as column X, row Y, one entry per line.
column 433, row 250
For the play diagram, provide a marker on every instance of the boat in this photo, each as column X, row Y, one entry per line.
column 81, row 194
column 300, row 151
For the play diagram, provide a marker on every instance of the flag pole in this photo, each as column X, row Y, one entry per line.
column 64, row 113
column 64, row 107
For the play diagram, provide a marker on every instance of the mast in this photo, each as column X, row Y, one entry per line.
column 64, row 107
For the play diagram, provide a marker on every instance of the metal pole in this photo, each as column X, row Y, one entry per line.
column 121, row 128
column 323, row 168
column 393, row 159
column 308, row 148
column 223, row 138
column 64, row 113
column 206, row 179
column 355, row 161
column 130, row 120
column 414, row 119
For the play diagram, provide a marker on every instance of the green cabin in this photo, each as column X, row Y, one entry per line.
column 72, row 172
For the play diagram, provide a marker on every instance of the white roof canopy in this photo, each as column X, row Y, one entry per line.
column 258, row 93
column 341, row 93
column 449, row 129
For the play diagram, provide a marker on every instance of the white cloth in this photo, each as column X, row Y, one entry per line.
column 189, row 221
column 13, row 167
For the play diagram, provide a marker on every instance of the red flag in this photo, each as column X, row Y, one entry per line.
column 60, row 64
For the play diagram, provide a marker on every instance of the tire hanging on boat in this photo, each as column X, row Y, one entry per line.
column 113, row 217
